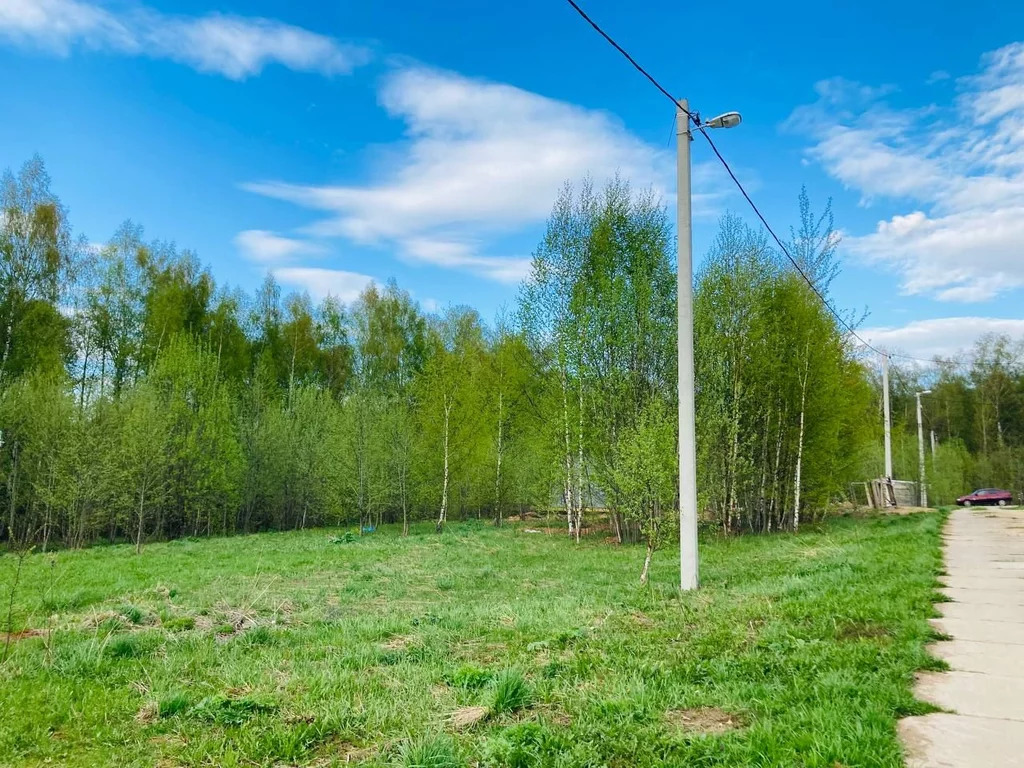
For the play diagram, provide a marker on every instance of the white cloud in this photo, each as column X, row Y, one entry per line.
column 479, row 159
column 454, row 255
column 55, row 25
column 958, row 171
column 234, row 46
column 320, row 283
column 280, row 256
column 944, row 337
column 263, row 247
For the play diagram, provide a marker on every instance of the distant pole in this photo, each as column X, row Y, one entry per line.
column 688, row 571
column 888, row 417
column 921, row 451
column 933, row 446
column 921, row 456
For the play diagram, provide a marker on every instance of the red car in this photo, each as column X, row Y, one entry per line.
column 986, row 496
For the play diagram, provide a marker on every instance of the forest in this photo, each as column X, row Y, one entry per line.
column 141, row 400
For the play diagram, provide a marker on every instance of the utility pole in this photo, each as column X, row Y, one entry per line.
column 688, row 576
column 888, row 417
column 920, row 449
column 688, row 571
column 933, row 448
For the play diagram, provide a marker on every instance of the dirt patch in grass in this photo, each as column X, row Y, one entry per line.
column 400, row 643
column 553, row 716
column 703, row 720
column 337, row 752
column 641, row 619
column 22, row 634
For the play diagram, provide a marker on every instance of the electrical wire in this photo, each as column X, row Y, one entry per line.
column 629, row 58
column 695, row 119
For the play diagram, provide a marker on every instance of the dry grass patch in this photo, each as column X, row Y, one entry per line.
column 399, row 643
column 22, row 634
column 467, row 717
column 703, row 720
column 149, row 713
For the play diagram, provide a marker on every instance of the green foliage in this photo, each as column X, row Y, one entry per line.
column 470, row 678
column 224, row 710
column 132, row 614
column 430, row 752
column 128, row 646
column 646, row 473
column 511, row 692
column 348, row 537
column 598, row 309
column 179, row 624
column 976, row 411
column 160, row 406
column 174, row 704
column 781, row 404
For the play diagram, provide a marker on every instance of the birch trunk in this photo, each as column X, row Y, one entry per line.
column 778, row 458
column 579, row 464
column 85, row 368
column 7, row 342
column 647, row 563
column 405, row 506
column 568, row 452
column 141, row 516
column 497, row 473
column 734, row 457
column 443, row 516
column 800, row 442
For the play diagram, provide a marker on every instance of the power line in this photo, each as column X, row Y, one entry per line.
column 694, row 117
column 629, row 58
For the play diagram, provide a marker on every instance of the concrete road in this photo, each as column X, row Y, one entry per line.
column 983, row 695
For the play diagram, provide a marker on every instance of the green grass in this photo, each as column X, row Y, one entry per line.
column 289, row 649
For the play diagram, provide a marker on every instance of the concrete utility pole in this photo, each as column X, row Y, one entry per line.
column 688, row 576
column 920, row 449
column 888, row 417
column 688, row 570
column 933, row 447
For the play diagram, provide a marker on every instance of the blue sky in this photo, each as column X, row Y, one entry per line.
column 334, row 143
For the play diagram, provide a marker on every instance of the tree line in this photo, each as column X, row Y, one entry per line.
column 975, row 408
column 140, row 400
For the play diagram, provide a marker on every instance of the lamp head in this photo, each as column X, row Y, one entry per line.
column 726, row 120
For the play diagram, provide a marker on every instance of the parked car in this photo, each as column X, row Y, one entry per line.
column 986, row 496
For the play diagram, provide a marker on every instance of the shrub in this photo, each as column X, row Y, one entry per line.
column 430, row 752
column 511, row 692
column 172, row 705
column 180, row 624
column 469, row 678
column 132, row 614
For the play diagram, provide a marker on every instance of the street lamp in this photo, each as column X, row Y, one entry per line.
column 687, row 425
column 920, row 448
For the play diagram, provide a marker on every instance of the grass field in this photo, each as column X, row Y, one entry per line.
column 479, row 647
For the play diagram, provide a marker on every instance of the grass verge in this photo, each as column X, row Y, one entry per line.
column 305, row 648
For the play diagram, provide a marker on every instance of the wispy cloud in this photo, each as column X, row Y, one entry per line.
column 236, row 47
column 958, row 170
column 282, row 257
column 270, row 248
column 320, row 283
column 943, row 337
column 479, row 160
